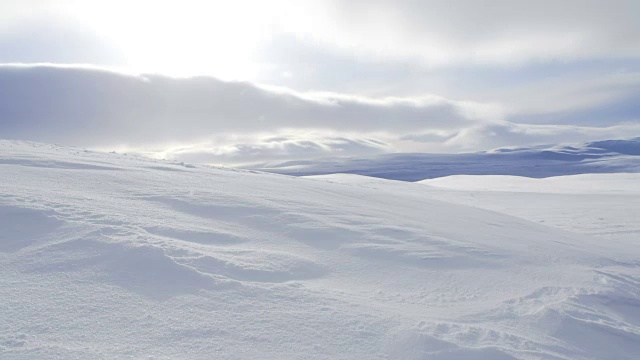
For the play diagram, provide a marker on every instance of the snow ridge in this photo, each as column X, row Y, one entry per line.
column 112, row 256
column 610, row 156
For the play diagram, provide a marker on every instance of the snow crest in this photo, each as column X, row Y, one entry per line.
column 113, row 256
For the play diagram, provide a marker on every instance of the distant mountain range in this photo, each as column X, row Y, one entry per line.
column 608, row 156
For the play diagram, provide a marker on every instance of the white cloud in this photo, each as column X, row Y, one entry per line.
column 207, row 120
column 433, row 32
column 502, row 134
column 249, row 149
column 94, row 107
column 380, row 48
column 557, row 95
column 510, row 134
column 486, row 32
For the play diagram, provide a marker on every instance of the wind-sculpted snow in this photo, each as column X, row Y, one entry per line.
column 620, row 184
column 115, row 256
column 611, row 156
column 606, row 205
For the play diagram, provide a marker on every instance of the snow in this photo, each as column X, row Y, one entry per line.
column 619, row 183
column 606, row 205
column 118, row 256
column 610, row 156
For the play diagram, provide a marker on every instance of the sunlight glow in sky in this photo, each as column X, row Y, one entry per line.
column 319, row 77
column 186, row 38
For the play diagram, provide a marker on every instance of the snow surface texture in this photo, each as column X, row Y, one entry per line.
column 114, row 256
column 607, row 205
column 609, row 156
column 628, row 183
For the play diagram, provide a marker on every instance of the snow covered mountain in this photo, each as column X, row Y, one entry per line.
column 609, row 156
column 117, row 256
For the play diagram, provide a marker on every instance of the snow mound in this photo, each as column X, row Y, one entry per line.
column 609, row 156
column 584, row 183
column 113, row 256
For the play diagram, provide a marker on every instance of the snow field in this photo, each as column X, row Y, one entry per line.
column 115, row 256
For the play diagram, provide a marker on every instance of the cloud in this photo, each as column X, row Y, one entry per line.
column 433, row 32
column 269, row 148
column 203, row 119
column 571, row 94
column 501, row 134
column 486, row 32
column 96, row 107
column 56, row 40
column 454, row 48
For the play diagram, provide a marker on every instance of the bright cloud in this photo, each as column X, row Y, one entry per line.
column 252, row 149
column 221, row 38
column 488, row 32
column 203, row 119
column 97, row 107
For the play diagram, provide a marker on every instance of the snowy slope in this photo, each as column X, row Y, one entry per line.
column 113, row 256
column 619, row 183
column 610, row 156
column 605, row 205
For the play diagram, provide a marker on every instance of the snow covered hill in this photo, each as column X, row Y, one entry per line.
column 618, row 183
column 605, row 205
column 116, row 256
column 609, row 156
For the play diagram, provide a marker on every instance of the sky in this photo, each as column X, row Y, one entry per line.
column 251, row 81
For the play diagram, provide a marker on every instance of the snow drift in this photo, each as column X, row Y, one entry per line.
column 113, row 256
column 609, row 156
